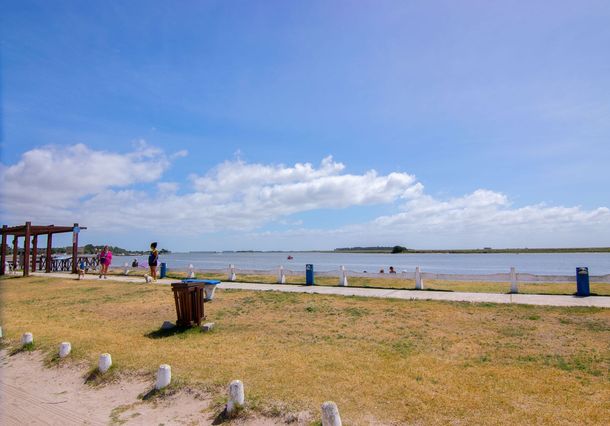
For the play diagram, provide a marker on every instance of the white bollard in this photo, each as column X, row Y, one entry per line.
column 209, row 290
column 27, row 338
column 0, row 332
column 330, row 414
column 281, row 277
column 191, row 273
column 126, row 269
column 343, row 277
column 164, row 376
column 419, row 283
column 513, row 280
column 64, row 349
column 104, row 363
column 236, row 396
column 232, row 272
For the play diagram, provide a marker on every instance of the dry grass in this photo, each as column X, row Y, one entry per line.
column 388, row 361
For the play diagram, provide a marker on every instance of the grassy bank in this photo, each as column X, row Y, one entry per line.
column 600, row 289
column 380, row 360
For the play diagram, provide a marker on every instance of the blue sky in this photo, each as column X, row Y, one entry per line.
column 486, row 124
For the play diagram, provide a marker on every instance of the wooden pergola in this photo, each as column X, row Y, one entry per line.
column 32, row 231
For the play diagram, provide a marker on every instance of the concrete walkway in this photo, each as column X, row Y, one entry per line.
column 525, row 299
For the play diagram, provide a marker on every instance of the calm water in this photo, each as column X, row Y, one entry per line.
column 544, row 264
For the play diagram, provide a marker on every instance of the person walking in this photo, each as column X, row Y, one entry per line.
column 153, row 258
column 105, row 257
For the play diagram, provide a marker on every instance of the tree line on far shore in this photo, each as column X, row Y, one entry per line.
column 90, row 249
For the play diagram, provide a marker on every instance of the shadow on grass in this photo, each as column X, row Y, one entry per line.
column 24, row 348
column 224, row 417
column 174, row 331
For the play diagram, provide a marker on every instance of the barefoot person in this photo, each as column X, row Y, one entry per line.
column 153, row 258
column 105, row 261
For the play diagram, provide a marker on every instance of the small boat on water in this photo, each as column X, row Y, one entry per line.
column 290, row 257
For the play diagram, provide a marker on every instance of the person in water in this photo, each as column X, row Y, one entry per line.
column 153, row 258
column 392, row 271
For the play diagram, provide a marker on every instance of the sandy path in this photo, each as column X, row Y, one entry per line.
column 34, row 395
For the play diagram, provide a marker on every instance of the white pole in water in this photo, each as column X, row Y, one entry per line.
column 419, row 283
column 513, row 280
column 281, row 278
column 164, row 376
column 236, row 397
column 27, row 338
column 330, row 414
column 104, row 363
column 343, row 277
column 232, row 272
column 191, row 271
column 64, row 349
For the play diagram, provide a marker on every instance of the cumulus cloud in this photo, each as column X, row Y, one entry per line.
column 51, row 181
column 99, row 188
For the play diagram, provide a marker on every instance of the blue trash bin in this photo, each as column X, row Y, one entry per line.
column 582, row 281
column 163, row 270
column 309, row 274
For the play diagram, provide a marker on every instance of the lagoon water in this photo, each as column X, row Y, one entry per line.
column 544, row 264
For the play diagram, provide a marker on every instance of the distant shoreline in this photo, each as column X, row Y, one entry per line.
column 486, row 251
column 431, row 251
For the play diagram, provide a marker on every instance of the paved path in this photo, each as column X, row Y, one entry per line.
column 525, row 299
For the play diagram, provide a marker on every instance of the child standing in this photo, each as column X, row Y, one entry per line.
column 153, row 258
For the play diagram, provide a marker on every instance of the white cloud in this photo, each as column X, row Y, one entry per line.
column 51, row 181
column 96, row 188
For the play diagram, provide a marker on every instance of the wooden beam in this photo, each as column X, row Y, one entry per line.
column 38, row 230
column 3, row 252
column 26, row 250
column 34, row 252
column 49, row 255
column 75, row 249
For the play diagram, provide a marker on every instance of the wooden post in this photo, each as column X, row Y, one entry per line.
column 48, row 253
column 34, row 252
column 26, row 250
column 3, row 251
column 75, row 249
column 15, row 250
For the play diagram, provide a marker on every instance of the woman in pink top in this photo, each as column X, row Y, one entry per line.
column 105, row 261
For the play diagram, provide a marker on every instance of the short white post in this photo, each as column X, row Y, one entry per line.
column 0, row 332
column 513, row 280
column 419, row 283
column 330, row 414
column 236, row 397
column 126, row 269
column 64, row 349
column 191, row 273
column 104, row 363
column 232, row 272
column 343, row 277
column 27, row 338
column 164, row 376
column 209, row 290
column 281, row 278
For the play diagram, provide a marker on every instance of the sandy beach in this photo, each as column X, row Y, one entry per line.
column 33, row 394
